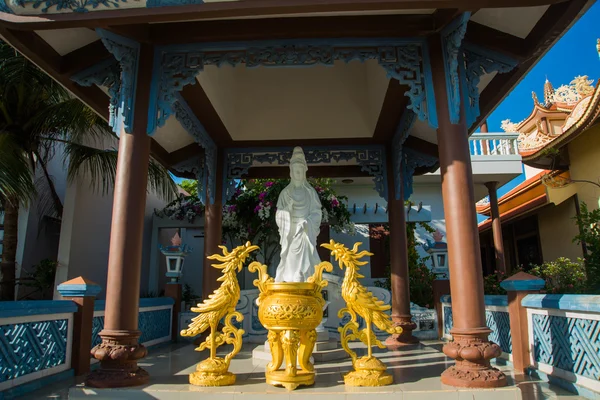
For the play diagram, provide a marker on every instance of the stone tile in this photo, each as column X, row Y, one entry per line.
column 261, row 396
column 437, row 395
column 499, row 394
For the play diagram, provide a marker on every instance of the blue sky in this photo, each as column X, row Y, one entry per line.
column 574, row 54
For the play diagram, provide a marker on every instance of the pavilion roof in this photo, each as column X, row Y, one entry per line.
column 64, row 41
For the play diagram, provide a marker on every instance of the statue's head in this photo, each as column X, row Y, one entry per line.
column 298, row 166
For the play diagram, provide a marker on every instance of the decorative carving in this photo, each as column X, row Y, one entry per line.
column 107, row 74
column 220, row 305
column 508, row 126
column 410, row 161
column 368, row 370
column 406, row 122
column 126, row 51
column 194, row 127
column 479, row 61
column 371, row 159
column 566, row 343
column 154, row 324
column 32, row 346
column 452, row 36
column 572, row 93
column 177, row 66
column 76, row 6
column 290, row 311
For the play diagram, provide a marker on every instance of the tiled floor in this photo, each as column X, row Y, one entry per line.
column 416, row 371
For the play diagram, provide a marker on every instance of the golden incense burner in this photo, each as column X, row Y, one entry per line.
column 220, row 305
column 368, row 370
column 291, row 312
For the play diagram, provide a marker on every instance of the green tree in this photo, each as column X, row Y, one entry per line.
column 37, row 116
column 588, row 222
column 190, row 186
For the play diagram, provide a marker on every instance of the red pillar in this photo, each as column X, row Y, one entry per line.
column 470, row 348
column 173, row 290
column 119, row 351
column 399, row 263
column 83, row 293
column 213, row 230
column 518, row 287
column 496, row 226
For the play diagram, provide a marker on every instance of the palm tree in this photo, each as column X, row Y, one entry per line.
column 37, row 117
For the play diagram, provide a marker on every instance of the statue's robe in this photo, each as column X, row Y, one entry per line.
column 298, row 244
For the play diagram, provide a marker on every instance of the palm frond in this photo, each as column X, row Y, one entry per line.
column 100, row 166
column 16, row 180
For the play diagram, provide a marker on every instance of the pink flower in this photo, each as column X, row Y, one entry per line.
column 269, row 184
column 262, row 196
column 257, row 208
column 335, row 203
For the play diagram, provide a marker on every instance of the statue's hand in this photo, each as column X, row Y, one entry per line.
column 301, row 227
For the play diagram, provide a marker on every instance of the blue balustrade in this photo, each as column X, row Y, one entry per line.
column 35, row 340
column 565, row 332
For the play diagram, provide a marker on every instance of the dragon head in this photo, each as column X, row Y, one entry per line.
column 233, row 261
column 346, row 257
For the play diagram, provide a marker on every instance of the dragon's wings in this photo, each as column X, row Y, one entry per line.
column 220, row 300
column 363, row 297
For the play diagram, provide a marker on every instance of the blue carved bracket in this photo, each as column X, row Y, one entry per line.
column 127, row 53
column 476, row 62
column 406, row 122
column 108, row 74
column 187, row 119
column 195, row 165
column 410, row 161
column 452, row 36
column 406, row 60
column 371, row 159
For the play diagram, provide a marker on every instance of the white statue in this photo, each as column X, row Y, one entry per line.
column 299, row 219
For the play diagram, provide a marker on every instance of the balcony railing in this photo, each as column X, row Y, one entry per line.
column 494, row 144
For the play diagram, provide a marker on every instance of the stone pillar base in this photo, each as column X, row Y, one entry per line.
column 405, row 338
column 118, row 354
column 472, row 354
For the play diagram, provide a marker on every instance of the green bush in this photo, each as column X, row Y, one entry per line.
column 562, row 276
column 491, row 283
column 589, row 234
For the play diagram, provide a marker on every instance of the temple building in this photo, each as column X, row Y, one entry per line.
column 221, row 90
column 559, row 143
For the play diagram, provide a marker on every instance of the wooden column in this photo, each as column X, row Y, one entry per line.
column 213, row 230
column 496, row 226
column 119, row 351
column 173, row 290
column 470, row 348
column 83, row 293
column 518, row 287
column 399, row 263
column 484, row 127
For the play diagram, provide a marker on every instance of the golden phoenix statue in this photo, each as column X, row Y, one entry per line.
column 220, row 304
column 290, row 311
column 368, row 370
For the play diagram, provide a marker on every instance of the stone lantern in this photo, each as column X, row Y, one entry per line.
column 439, row 254
column 175, row 255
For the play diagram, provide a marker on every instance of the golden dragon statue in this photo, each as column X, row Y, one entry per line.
column 220, row 305
column 368, row 370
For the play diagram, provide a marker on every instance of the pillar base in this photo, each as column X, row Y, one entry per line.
column 118, row 354
column 405, row 338
column 473, row 353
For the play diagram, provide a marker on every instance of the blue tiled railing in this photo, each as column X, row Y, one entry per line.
column 35, row 340
column 564, row 335
column 154, row 320
column 496, row 315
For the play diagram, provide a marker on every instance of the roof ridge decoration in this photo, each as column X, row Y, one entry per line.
column 406, row 60
column 476, row 62
column 371, row 159
column 126, row 52
column 452, row 36
column 411, row 160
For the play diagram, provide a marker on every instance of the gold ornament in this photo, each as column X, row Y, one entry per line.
column 368, row 370
column 221, row 304
column 290, row 311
